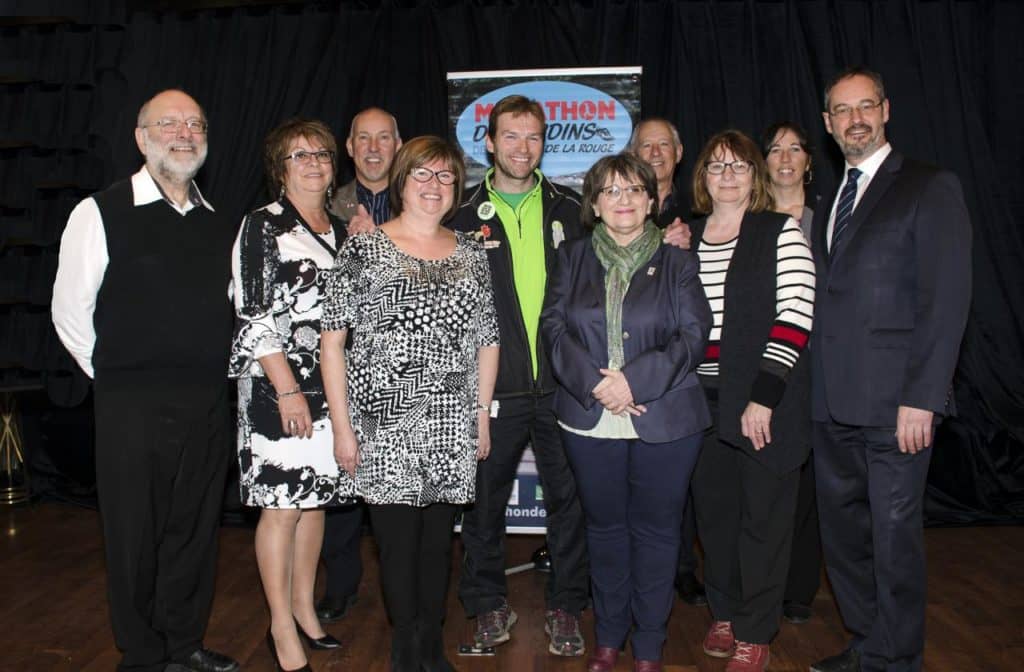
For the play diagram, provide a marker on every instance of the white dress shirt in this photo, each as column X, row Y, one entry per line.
column 83, row 261
column 868, row 167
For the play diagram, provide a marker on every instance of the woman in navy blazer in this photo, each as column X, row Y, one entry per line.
column 626, row 322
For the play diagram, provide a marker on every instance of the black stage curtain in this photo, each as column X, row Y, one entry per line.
column 73, row 83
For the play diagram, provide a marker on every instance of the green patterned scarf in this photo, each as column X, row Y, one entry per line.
column 620, row 263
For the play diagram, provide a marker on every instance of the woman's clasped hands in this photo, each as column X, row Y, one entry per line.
column 613, row 393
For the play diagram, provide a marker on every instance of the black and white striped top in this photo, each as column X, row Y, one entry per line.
column 794, row 299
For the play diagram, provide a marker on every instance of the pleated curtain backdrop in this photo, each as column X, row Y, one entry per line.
column 74, row 75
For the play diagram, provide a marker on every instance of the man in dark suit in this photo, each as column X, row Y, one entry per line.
column 893, row 291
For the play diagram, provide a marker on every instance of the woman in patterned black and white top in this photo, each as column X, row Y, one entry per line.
column 758, row 275
column 410, row 402
column 281, row 261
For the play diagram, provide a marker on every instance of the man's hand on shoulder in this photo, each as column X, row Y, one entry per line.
column 678, row 234
column 361, row 223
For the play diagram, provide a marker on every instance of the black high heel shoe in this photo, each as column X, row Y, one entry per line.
column 320, row 643
column 277, row 662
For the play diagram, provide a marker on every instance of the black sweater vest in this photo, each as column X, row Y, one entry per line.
column 750, row 308
column 163, row 305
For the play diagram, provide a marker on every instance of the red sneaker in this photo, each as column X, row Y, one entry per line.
column 748, row 658
column 720, row 642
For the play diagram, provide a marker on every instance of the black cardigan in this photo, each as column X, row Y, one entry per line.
column 746, row 323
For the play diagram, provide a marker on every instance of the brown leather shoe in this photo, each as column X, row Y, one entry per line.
column 647, row 666
column 603, row 659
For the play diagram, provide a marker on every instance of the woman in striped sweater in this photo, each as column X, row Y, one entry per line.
column 758, row 275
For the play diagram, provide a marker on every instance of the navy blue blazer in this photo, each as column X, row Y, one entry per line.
column 665, row 322
column 892, row 299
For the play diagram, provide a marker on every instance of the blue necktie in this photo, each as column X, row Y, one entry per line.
column 844, row 210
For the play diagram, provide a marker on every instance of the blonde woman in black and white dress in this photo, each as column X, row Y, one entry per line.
column 281, row 260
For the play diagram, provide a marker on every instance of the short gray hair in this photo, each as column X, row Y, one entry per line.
column 636, row 131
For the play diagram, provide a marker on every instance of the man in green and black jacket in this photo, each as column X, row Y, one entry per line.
column 521, row 218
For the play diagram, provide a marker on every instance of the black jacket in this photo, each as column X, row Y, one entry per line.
column 892, row 298
column 515, row 368
column 749, row 315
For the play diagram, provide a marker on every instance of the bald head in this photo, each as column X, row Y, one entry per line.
column 372, row 143
column 170, row 97
column 174, row 152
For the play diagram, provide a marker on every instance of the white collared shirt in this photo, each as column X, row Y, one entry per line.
column 83, row 261
column 868, row 167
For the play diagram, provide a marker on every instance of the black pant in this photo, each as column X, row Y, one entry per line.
column 745, row 519
column 871, row 501
column 415, row 546
column 687, row 540
column 482, row 586
column 343, row 527
column 805, row 556
column 162, row 450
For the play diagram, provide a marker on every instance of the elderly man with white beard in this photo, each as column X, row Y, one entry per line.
column 140, row 301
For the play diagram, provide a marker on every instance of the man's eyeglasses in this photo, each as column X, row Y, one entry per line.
column 423, row 175
column 301, row 156
column 718, row 167
column 169, row 126
column 615, row 192
column 865, row 107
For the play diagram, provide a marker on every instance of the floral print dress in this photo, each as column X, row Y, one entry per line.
column 279, row 268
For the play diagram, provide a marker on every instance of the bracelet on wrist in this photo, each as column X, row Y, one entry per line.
column 295, row 390
column 483, row 407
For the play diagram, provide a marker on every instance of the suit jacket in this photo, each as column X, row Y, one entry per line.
column 665, row 322
column 892, row 298
column 344, row 203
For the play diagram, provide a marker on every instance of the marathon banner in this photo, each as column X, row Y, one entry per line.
column 590, row 114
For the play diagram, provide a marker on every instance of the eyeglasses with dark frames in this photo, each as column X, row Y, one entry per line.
column 301, row 156
column 739, row 167
column 423, row 175
column 865, row 107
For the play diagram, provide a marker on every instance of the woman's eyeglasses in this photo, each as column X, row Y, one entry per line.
column 615, row 192
column 301, row 156
column 718, row 167
column 423, row 175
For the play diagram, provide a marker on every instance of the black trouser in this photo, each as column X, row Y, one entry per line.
column 415, row 545
column 745, row 519
column 343, row 527
column 482, row 586
column 687, row 540
column 871, row 501
column 805, row 556
column 162, row 451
